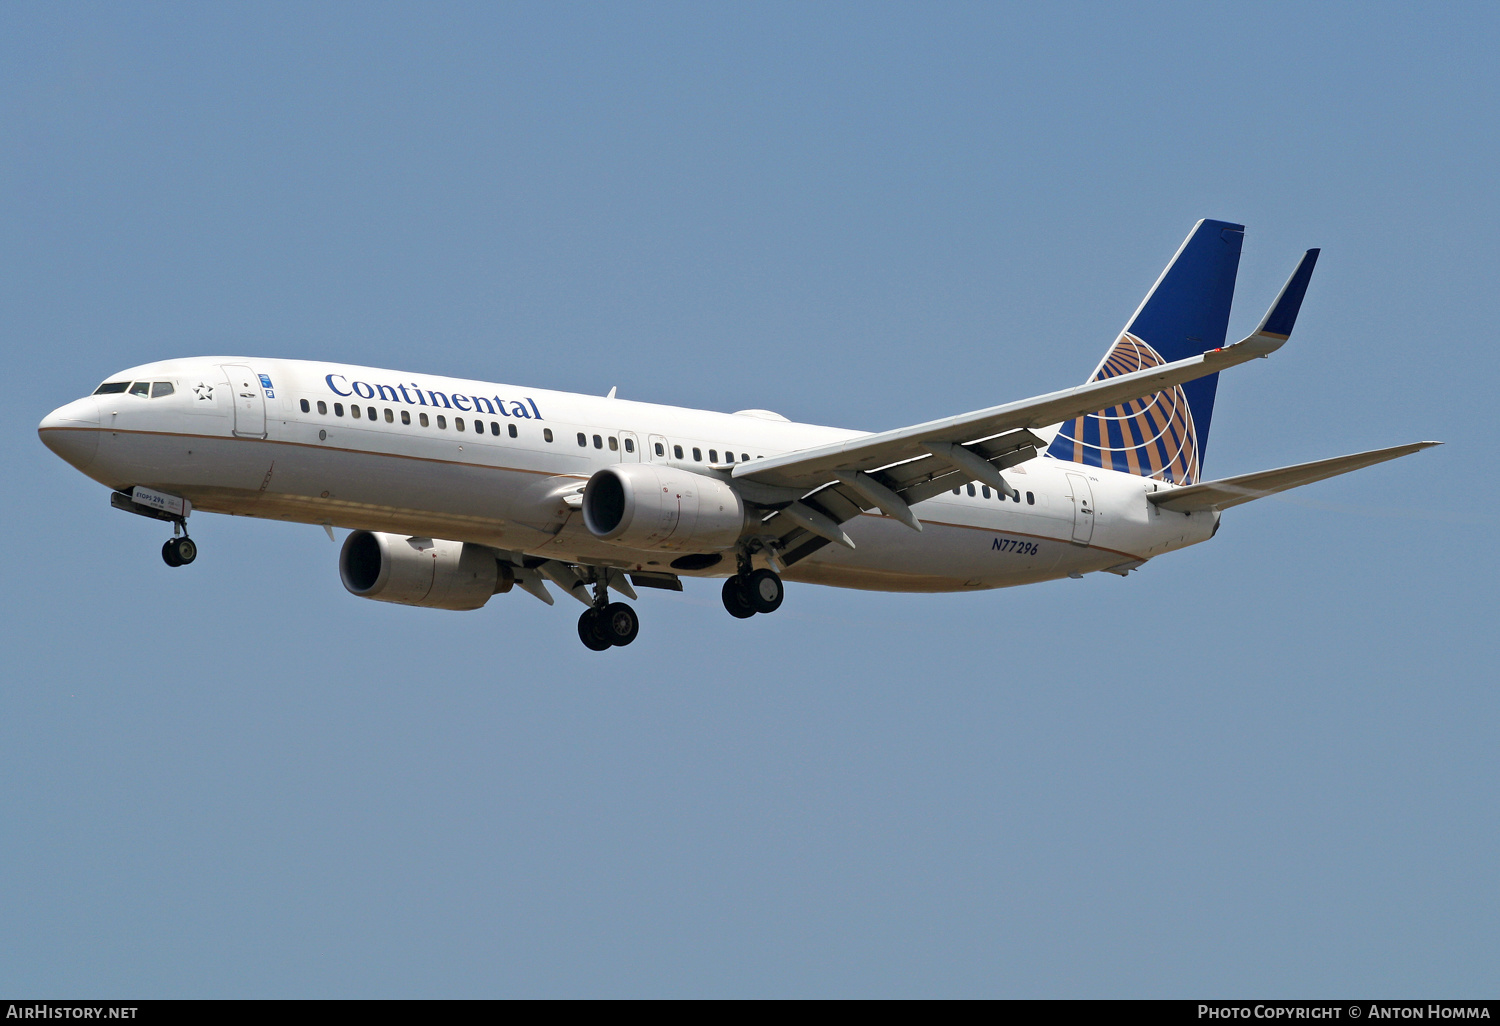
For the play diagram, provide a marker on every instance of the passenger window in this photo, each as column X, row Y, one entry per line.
column 306, row 406
column 546, row 433
column 512, row 428
column 583, row 440
column 1016, row 495
column 614, row 444
column 744, row 457
column 630, row 445
column 971, row 491
column 442, row 422
column 458, row 423
column 677, row 451
column 422, row 419
column 1030, row 499
column 661, row 450
column 598, row 442
column 354, row 412
column 322, row 407
column 728, row 456
column 406, row 416
column 112, row 388
column 370, row 412
column 713, row 455
column 338, row 409
column 955, row 491
column 985, row 491
column 390, row 418
column 161, row 388
column 141, row 388
column 697, row 454
column 495, row 428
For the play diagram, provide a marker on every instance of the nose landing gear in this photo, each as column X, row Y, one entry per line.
column 179, row 551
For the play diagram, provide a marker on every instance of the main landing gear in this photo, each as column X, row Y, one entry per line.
column 759, row 591
column 615, row 624
column 607, row 624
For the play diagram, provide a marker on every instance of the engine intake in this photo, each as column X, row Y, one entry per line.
column 645, row 506
column 424, row 572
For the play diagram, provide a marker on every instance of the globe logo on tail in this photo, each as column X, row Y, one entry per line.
column 1150, row 437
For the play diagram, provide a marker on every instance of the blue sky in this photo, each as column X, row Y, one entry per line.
column 1262, row 766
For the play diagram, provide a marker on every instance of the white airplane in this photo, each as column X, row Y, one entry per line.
column 457, row 490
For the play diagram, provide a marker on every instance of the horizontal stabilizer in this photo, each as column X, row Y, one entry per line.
column 1231, row 491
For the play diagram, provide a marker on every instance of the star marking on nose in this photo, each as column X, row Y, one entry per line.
column 204, row 390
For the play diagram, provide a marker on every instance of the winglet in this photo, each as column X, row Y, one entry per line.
column 1276, row 326
column 1283, row 313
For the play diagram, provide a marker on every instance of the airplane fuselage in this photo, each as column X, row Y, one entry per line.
column 494, row 465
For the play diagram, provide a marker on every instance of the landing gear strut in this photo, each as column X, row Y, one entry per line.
column 607, row 624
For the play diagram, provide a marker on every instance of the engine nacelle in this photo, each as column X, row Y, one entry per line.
column 647, row 506
column 420, row 571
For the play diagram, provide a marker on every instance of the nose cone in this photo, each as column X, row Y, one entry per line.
column 72, row 431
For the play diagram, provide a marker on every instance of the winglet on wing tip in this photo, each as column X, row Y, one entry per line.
column 1282, row 316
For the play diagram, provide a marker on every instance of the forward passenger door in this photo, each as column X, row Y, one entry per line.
column 249, row 403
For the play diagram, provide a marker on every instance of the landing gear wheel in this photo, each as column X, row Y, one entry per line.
column 764, row 590
column 735, row 599
column 589, row 631
column 179, row 551
column 618, row 623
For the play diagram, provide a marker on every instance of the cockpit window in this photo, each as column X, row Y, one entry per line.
column 160, row 388
column 112, row 388
column 141, row 388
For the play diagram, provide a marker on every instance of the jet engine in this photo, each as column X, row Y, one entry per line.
column 646, row 506
column 420, row 571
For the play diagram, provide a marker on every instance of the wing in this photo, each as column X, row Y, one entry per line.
column 812, row 491
column 1231, row 491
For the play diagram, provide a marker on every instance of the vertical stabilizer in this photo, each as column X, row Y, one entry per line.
column 1185, row 313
